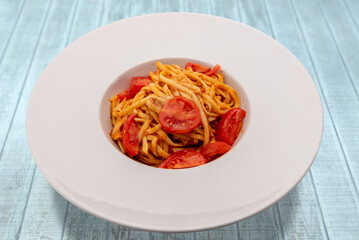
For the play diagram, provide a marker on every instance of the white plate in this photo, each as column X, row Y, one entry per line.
column 68, row 124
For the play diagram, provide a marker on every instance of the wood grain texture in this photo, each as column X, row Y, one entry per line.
column 345, row 37
column 11, row 11
column 253, row 13
column 323, row 34
column 44, row 216
column 115, row 10
column 15, row 60
column 340, row 210
column 260, row 226
column 293, row 39
column 81, row 225
column 345, row 32
column 352, row 7
column 169, row 6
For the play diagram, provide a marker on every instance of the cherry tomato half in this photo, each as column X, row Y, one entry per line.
column 197, row 68
column 202, row 69
column 183, row 159
column 137, row 83
column 126, row 94
column 214, row 150
column 130, row 136
column 179, row 115
column 230, row 125
column 213, row 71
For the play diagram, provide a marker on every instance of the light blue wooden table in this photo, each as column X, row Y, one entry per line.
column 323, row 34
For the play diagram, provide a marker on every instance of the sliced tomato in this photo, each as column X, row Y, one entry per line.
column 229, row 126
column 183, row 159
column 179, row 115
column 202, row 69
column 126, row 94
column 130, row 140
column 137, row 83
column 214, row 150
column 213, row 70
column 197, row 68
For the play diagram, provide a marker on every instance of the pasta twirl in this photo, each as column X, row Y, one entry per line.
column 209, row 93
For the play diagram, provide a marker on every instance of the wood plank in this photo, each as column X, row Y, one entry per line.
column 226, row 8
column 16, row 165
column 89, row 17
column 260, row 226
column 334, row 181
column 113, row 11
column 345, row 33
column 172, row 236
column 198, row 6
column 254, row 14
column 144, row 7
column 341, row 210
column 229, row 232
column 118, row 232
column 299, row 212
column 15, row 62
column 81, row 225
column 9, row 17
column 352, row 7
column 345, row 37
column 45, row 213
column 169, row 6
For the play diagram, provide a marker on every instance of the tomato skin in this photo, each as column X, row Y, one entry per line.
column 137, row 83
column 213, row 71
column 230, row 125
column 183, row 159
column 130, row 140
column 197, row 67
column 179, row 115
column 202, row 69
column 126, row 94
column 214, row 150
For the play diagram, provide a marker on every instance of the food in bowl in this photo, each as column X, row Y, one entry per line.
column 177, row 117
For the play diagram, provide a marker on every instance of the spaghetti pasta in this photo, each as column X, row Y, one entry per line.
column 210, row 95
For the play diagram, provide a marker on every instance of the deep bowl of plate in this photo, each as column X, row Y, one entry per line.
column 121, row 83
column 68, row 123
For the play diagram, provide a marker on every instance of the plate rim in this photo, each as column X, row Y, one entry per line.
column 88, row 209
